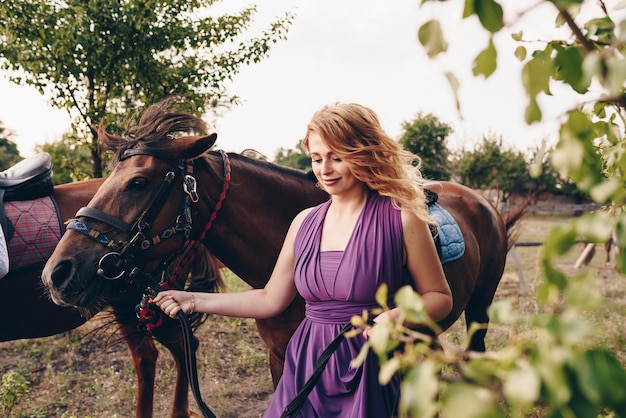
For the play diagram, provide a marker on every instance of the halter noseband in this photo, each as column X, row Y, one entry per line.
column 115, row 264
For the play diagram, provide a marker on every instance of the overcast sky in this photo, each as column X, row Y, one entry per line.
column 363, row 51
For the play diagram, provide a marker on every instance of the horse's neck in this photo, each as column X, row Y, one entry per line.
column 70, row 197
column 258, row 208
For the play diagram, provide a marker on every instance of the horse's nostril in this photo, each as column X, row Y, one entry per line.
column 61, row 272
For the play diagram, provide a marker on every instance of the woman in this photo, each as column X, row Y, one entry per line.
column 372, row 230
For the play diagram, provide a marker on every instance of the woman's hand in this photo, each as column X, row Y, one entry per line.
column 172, row 301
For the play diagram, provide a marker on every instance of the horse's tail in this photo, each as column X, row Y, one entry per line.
column 512, row 219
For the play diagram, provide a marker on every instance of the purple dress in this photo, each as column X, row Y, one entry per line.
column 337, row 285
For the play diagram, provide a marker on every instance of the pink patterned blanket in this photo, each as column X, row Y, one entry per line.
column 38, row 229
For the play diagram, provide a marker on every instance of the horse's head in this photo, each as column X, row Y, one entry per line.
column 140, row 219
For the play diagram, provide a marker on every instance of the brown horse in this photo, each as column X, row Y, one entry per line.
column 29, row 312
column 243, row 210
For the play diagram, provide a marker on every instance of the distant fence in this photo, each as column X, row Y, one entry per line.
column 580, row 208
column 565, row 208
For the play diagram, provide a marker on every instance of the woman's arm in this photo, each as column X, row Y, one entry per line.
column 257, row 303
column 425, row 267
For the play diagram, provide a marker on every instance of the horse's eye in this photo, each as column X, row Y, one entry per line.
column 137, row 184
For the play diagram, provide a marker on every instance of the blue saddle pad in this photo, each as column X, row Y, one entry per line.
column 450, row 235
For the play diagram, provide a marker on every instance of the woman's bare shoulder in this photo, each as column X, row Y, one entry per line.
column 297, row 221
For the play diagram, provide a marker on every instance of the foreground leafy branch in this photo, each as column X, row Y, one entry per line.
column 551, row 365
column 548, row 366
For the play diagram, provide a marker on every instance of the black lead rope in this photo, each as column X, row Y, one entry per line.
column 296, row 404
column 192, row 372
column 190, row 359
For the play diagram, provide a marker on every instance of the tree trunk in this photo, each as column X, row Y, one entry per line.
column 96, row 164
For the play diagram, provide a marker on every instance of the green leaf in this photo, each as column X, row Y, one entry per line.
column 490, row 14
column 560, row 240
column 379, row 338
column 432, row 39
column 412, row 305
column 568, row 64
column 382, row 294
column 568, row 155
column 595, row 227
column 517, row 36
column 467, row 401
column 486, row 61
column 502, row 312
column 620, row 231
column 601, row 377
column 358, row 360
column 599, row 108
column 605, row 190
column 565, row 4
column 532, row 112
column 454, row 85
column 551, row 366
column 536, row 74
column 408, row 299
column 481, row 371
column 570, row 329
column 468, row 8
column 585, row 164
column 388, row 370
column 520, row 53
column 593, row 67
column 616, row 74
column 522, row 386
column 419, row 390
column 601, row 29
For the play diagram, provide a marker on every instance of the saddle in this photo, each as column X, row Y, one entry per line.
column 446, row 232
column 27, row 180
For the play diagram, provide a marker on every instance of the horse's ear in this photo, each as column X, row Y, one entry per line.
column 109, row 141
column 191, row 147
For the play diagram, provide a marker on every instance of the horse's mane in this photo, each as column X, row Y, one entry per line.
column 264, row 165
column 160, row 122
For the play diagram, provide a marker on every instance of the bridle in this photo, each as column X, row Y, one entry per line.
column 119, row 262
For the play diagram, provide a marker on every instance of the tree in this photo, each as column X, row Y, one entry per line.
column 492, row 166
column 426, row 137
column 296, row 158
column 9, row 154
column 71, row 159
column 102, row 59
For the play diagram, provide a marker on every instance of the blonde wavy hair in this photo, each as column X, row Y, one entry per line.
column 354, row 133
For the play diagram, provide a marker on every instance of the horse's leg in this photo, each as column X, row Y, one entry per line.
column 144, row 354
column 476, row 311
column 481, row 298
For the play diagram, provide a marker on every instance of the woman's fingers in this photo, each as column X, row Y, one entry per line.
column 167, row 304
